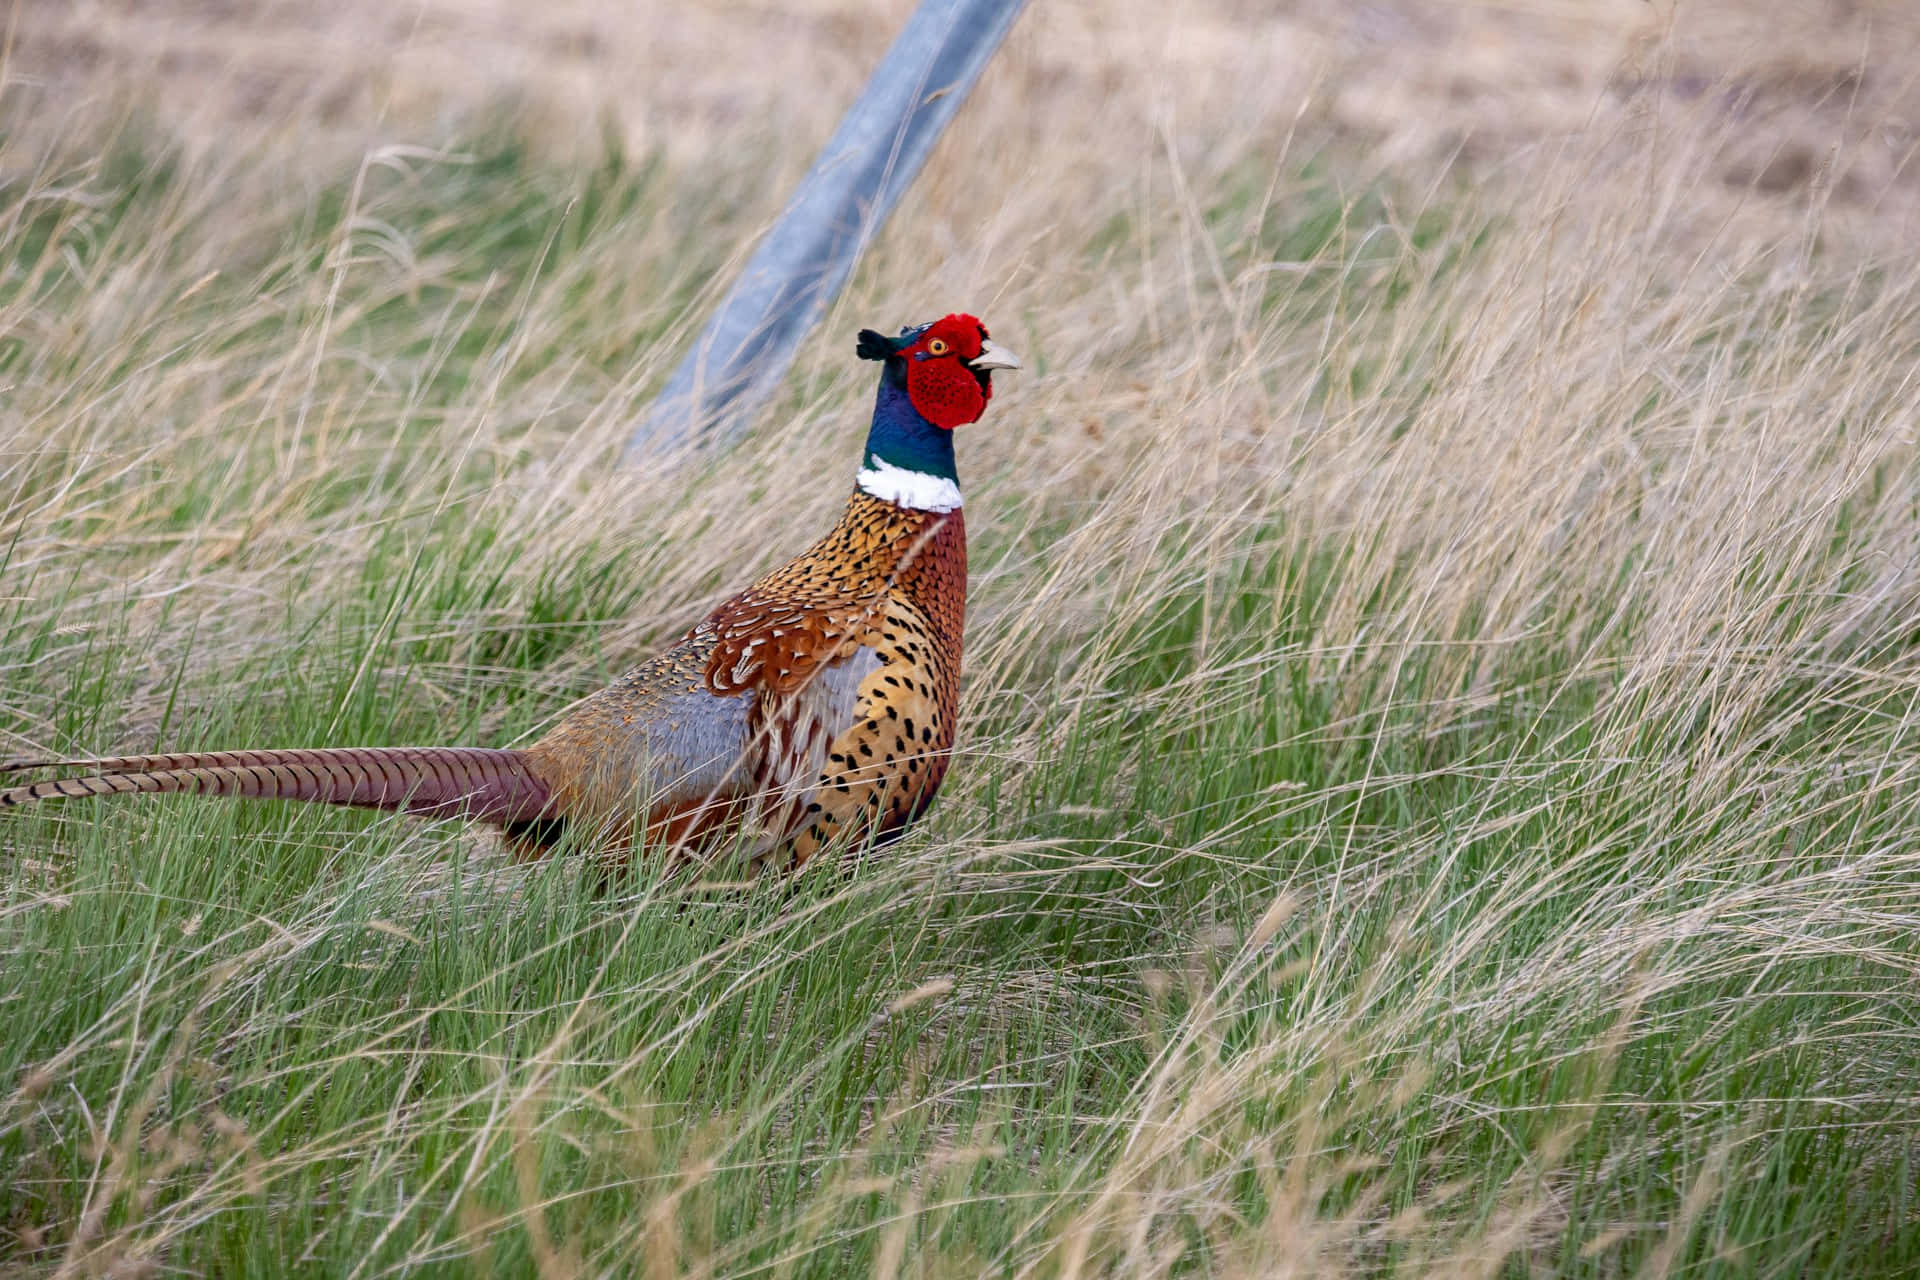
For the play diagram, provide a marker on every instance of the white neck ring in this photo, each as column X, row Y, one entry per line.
column 914, row 490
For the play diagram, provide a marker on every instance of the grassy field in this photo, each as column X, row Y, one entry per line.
column 1436, row 793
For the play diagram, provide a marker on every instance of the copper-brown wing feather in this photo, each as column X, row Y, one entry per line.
column 775, row 643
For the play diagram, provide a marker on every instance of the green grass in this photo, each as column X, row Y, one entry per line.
column 1435, row 795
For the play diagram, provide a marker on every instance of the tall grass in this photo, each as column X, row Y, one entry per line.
column 1436, row 791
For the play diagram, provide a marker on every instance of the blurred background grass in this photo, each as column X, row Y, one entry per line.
column 1435, row 794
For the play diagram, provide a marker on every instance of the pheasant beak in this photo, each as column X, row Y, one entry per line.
column 993, row 357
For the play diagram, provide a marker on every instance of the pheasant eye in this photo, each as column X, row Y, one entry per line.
column 937, row 347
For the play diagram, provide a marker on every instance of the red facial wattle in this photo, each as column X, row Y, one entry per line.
column 942, row 388
column 944, row 391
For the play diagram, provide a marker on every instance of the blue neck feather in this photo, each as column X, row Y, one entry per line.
column 900, row 436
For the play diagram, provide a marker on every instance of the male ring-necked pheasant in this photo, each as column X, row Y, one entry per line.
column 817, row 705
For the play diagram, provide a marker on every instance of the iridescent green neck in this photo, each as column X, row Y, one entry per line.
column 908, row 461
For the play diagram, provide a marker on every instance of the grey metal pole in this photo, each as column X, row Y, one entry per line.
column 872, row 158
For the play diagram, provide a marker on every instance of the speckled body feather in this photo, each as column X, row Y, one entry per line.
column 819, row 701
column 816, row 708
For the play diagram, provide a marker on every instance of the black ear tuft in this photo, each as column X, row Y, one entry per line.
column 874, row 346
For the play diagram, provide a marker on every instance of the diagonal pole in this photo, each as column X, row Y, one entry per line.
column 872, row 158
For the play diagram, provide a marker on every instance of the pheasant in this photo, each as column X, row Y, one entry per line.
column 817, row 706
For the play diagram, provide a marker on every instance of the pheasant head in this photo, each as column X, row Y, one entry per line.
column 937, row 377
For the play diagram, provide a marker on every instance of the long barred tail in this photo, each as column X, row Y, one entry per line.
column 500, row 787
